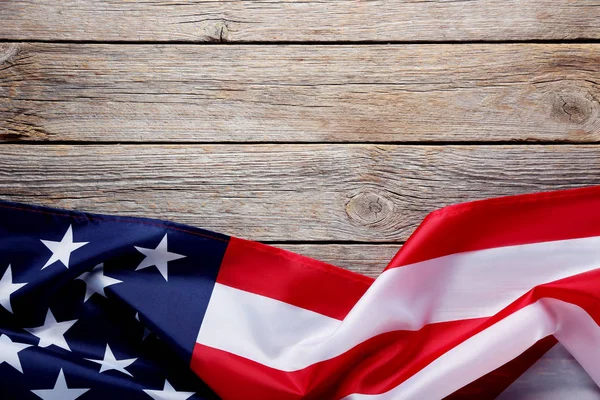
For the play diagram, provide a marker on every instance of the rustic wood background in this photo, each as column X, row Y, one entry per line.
column 330, row 128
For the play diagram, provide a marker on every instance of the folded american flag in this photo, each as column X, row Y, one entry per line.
column 97, row 306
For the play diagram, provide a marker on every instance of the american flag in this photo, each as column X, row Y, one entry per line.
column 97, row 306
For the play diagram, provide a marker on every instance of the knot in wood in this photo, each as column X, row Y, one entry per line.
column 577, row 107
column 368, row 208
column 8, row 51
column 217, row 31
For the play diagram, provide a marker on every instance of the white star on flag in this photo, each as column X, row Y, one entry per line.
column 61, row 251
column 168, row 393
column 110, row 362
column 9, row 352
column 7, row 288
column 146, row 330
column 52, row 332
column 60, row 390
column 158, row 257
column 96, row 281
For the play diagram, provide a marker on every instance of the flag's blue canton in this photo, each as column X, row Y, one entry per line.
column 99, row 307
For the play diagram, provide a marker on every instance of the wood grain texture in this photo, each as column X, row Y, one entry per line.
column 387, row 93
column 374, row 193
column 299, row 20
column 366, row 259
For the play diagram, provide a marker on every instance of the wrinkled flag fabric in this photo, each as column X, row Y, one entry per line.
column 472, row 306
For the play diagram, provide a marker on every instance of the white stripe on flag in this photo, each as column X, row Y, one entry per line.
column 455, row 287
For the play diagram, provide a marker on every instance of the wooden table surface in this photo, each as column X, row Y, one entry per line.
column 330, row 128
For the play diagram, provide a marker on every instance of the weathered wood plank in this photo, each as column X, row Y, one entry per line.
column 556, row 376
column 300, row 93
column 299, row 20
column 375, row 193
column 366, row 259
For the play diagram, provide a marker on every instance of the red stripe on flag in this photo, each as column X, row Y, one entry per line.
column 371, row 367
column 505, row 221
column 378, row 364
column 291, row 278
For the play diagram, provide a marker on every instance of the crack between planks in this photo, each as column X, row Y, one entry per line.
column 303, row 43
column 292, row 142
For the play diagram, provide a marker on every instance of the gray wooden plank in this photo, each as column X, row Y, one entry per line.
column 366, row 259
column 555, row 376
column 372, row 193
column 386, row 93
column 299, row 20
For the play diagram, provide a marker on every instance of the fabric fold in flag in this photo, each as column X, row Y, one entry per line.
column 93, row 306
